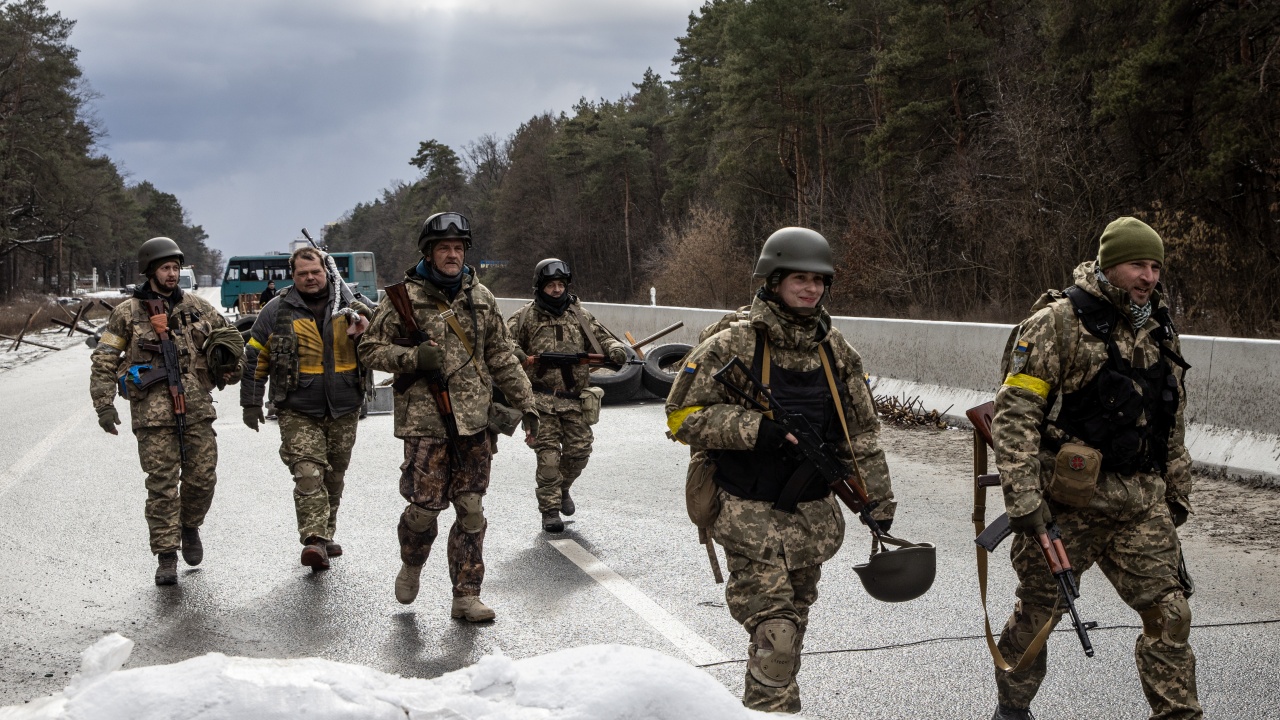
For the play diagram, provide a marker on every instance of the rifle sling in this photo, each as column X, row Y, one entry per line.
column 980, row 524
column 586, row 332
column 450, row 317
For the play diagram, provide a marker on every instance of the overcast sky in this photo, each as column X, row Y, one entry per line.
column 264, row 116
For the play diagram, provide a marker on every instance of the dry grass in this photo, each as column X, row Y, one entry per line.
column 14, row 315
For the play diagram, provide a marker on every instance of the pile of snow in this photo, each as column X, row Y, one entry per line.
column 597, row 682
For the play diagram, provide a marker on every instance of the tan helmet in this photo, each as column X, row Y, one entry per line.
column 899, row 575
column 797, row 249
column 158, row 248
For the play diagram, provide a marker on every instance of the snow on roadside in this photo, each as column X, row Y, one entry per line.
column 595, row 682
column 54, row 336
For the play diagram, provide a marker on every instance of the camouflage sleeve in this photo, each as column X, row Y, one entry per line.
column 700, row 412
column 1177, row 478
column 257, row 361
column 361, row 309
column 376, row 348
column 515, row 332
column 864, row 432
column 608, row 341
column 1035, row 374
column 503, row 366
column 106, row 356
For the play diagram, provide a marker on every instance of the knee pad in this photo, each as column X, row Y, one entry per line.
column 307, row 477
column 1169, row 619
column 775, row 652
column 419, row 519
column 572, row 467
column 548, row 464
column 470, row 508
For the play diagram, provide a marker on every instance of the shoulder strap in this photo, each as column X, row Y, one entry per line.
column 450, row 317
column 592, row 342
column 761, row 362
column 1098, row 316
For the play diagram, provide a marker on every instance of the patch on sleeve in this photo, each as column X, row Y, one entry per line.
column 691, row 367
column 111, row 339
column 1021, row 352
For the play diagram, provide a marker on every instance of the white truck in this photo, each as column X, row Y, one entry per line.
column 187, row 278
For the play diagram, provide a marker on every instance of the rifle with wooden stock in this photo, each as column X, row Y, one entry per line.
column 398, row 294
column 172, row 371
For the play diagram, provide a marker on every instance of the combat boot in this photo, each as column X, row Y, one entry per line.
column 333, row 549
column 192, row 548
column 551, row 521
column 1004, row 713
column 470, row 608
column 167, row 570
column 314, row 555
column 566, row 504
column 407, row 583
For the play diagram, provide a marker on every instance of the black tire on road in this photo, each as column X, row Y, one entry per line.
column 660, row 367
column 618, row 385
column 245, row 324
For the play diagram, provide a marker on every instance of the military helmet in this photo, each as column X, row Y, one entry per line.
column 899, row 575
column 551, row 269
column 158, row 248
column 444, row 226
column 796, row 249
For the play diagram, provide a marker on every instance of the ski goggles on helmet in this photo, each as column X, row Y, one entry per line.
column 440, row 222
column 555, row 269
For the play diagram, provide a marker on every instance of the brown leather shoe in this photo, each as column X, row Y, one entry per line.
column 167, row 568
column 551, row 521
column 470, row 608
column 567, row 506
column 333, row 549
column 192, row 548
column 407, row 583
column 314, row 555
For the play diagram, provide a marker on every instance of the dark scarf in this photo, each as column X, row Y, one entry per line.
column 551, row 305
column 146, row 292
column 450, row 285
column 317, row 303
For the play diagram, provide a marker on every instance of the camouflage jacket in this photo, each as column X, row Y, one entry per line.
column 1055, row 355
column 327, row 379
column 701, row 413
column 190, row 321
column 470, row 378
column 534, row 331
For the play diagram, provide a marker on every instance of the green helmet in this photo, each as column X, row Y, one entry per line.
column 444, row 226
column 158, row 248
column 796, row 249
column 899, row 575
column 551, row 269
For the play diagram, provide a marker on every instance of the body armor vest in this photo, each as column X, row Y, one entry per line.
column 1126, row 413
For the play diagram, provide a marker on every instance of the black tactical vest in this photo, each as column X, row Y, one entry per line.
column 1124, row 412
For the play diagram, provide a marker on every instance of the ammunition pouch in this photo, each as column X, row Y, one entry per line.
column 591, row 399
column 283, row 350
column 1075, row 475
column 701, row 494
column 503, row 419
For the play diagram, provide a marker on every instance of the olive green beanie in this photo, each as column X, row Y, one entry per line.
column 1127, row 239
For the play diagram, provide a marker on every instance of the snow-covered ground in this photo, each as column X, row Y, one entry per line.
column 54, row 336
column 596, row 682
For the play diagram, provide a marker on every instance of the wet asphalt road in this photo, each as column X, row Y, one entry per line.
column 76, row 566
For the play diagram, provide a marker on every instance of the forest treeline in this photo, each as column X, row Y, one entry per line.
column 961, row 156
column 66, row 207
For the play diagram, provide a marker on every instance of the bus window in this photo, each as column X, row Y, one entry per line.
column 278, row 270
column 257, row 270
column 364, row 263
column 344, row 266
column 233, row 273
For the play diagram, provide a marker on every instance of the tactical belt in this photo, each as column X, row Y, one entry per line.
column 562, row 394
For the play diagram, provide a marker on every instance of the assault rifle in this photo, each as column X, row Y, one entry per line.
column 1050, row 541
column 555, row 359
column 819, row 457
column 398, row 294
column 172, row 371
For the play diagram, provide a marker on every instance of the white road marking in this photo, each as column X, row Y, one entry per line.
column 15, row 471
column 699, row 651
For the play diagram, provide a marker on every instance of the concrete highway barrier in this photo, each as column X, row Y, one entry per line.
column 1233, row 386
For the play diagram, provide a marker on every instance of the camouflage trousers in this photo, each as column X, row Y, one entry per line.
column 325, row 442
column 756, row 592
column 430, row 478
column 1140, row 558
column 178, row 493
column 562, row 445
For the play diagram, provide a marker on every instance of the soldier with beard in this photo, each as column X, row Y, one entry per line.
column 775, row 557
column 317, row 387
column 1096, row 371
column 556, row 322
column 469, row 350
column 181, row 468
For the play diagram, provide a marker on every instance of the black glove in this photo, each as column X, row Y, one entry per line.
column 108, row 419
column 253, row 416
column 430, row 357
column 530, row 423
column 1178, row 511
column 1033, row 523
column 772, row 435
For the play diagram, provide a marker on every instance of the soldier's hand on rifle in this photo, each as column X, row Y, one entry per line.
column 530, row 424
column 1033, row 523
column 108, row 418
column 430, row 357
column 773, row 436
column 617, row 356
column 253, row 416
